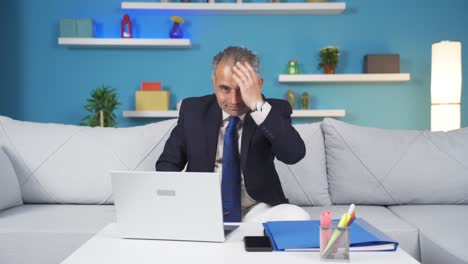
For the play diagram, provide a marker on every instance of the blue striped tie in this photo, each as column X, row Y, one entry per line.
column 231, row 178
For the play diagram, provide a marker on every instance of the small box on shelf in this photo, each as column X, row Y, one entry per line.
column 151, row 86
column 67, row 28
column 76, row 28
column 151, row 100
column 382, row 63
column 84, row 28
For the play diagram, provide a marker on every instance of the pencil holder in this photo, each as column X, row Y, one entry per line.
column 334, row 243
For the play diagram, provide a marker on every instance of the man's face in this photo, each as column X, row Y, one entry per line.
column 227, row 91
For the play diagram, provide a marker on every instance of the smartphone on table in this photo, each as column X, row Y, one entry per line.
column 257, row 244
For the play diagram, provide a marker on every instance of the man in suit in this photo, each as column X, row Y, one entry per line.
column 237, row 132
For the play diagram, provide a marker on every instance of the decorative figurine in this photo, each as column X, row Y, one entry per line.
column 293, row 67
column 290, row 97
column 126, row 27
column 176, row 31
column 305, row 100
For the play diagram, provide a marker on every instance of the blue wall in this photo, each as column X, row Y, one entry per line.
column 44, row 82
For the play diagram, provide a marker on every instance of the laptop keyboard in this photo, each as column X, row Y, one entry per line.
column 228, row 229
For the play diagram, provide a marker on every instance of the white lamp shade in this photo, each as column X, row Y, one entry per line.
column 446, row 73
column 445, row 117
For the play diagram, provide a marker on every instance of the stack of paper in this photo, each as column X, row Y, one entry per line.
column 305, row 235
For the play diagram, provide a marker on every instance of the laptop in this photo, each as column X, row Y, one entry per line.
column 170, row 206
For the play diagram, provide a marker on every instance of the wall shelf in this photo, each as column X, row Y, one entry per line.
column 334, row 78
column 296, row 113
column 157, row 114
column 125, row 42
column 243, row 8
column 319, row 113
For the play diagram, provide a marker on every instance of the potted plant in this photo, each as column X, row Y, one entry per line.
column 329, row 59
column 101, row 106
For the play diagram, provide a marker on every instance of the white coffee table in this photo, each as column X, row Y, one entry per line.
column 107, row 247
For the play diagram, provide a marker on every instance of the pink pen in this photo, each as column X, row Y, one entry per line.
column 325, row 221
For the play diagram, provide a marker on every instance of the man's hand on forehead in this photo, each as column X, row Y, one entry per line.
column 249, row 83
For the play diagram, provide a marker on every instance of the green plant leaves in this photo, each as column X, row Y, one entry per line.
column 103, row 99
column 329, row 55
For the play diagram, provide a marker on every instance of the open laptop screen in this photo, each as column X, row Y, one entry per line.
column 168, row 205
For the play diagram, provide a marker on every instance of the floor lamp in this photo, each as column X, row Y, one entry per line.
column 446, row 85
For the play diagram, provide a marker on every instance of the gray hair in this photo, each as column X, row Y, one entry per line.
column 233, row 54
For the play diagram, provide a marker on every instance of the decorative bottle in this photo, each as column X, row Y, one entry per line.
column 126, row 27
column 176, row 31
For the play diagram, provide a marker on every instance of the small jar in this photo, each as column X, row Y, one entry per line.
column 293, row 67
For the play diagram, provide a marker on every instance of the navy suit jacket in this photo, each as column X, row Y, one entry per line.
column 194, row 141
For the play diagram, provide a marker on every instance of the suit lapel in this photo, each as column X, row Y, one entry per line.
column 247, row 132
column 212, row 124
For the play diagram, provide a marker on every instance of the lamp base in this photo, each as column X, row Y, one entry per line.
column 445, row 117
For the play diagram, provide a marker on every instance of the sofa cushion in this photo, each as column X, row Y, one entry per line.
column 10, row 194
column 58, row 163
column 392, row 167
column 49, row 233
column 442, row 230
column 380, row 217
column 305, row 183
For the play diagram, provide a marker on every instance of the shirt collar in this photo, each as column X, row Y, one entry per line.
column 226, row 116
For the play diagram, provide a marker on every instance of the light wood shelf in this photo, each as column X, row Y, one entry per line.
column 296, row 113
column 335, row 78
column 242, row 8
column 125, row 42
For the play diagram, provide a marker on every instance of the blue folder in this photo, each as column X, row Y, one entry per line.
column 305, row 236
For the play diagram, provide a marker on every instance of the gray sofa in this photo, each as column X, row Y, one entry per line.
column 55, row 189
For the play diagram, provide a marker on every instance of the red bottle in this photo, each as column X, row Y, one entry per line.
column 126, row 27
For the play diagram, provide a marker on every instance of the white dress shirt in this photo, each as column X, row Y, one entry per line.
column 258, row 117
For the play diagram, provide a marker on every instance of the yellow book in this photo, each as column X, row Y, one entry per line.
column 151, row 100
